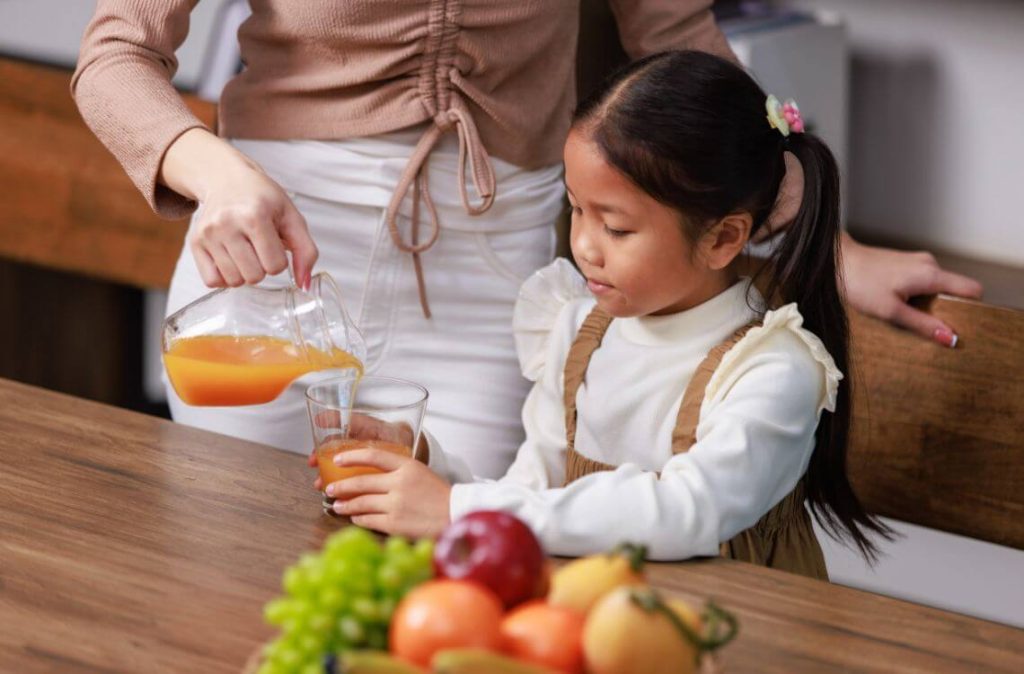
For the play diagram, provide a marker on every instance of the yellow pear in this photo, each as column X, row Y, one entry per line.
column 621, row 636
column 580, row 584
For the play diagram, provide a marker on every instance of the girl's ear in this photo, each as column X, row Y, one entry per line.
column 725, row 240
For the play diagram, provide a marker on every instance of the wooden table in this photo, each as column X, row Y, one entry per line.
column 131, row 544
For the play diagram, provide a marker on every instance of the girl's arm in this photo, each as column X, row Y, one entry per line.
column 753, row 446
column 540, row 461
column 410, row 500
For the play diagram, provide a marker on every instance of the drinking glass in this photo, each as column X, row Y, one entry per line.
column 352, row 412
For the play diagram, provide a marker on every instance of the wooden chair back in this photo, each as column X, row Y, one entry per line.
column 938, row 434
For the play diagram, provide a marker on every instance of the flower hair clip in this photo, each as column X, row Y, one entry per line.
column 784, row 116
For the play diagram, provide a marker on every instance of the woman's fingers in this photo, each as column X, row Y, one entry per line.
column 268, row 246
column 924, row 324
column 225, row 265
column 294, row 232
column 246, row 227
column 957, row 284
column 246, row 261
column 207, row 268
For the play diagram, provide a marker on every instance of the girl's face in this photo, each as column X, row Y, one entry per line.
column 629, row 246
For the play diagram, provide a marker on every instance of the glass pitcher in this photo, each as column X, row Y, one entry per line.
column 245, row 345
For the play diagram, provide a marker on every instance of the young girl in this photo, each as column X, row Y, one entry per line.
column 671, row 404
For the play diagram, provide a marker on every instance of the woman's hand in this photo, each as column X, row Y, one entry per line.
column 880, row 282
column 407, row 499
column 247, row 221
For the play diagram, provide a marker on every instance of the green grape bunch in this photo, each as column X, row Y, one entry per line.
column 341, row 599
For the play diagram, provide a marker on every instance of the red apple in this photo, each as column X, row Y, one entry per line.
column 495, row 549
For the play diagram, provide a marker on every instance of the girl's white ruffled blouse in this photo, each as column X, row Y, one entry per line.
column 754, row 438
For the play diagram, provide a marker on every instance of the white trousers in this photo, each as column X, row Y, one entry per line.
column 464, row 355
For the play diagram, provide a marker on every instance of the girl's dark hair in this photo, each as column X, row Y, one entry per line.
column 690, row 129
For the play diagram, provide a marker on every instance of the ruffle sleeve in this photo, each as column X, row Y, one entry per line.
column 786, row 318
column 542, row 298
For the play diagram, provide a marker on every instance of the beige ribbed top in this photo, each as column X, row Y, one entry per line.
column 499, row 73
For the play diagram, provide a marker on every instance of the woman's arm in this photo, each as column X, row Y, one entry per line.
column 880, row 282
column 123, row 89
column 650, row 26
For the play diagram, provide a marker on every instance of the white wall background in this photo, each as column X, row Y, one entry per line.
column 936, row 152
column 50, row 31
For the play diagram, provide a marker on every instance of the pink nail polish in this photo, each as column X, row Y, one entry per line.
column 945, row 337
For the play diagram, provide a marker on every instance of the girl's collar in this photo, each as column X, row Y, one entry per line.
column 714, row 319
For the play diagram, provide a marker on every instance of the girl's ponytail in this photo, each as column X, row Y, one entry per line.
column 804, row 269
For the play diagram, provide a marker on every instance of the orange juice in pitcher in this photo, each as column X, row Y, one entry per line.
column 244, row 346
column 226, row 370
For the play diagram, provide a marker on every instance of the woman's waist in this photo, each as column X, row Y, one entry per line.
column 526, row 128
column 366, row 171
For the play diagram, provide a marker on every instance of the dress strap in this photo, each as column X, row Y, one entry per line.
column 576, row 362
column 783, row 538
column 685, row 432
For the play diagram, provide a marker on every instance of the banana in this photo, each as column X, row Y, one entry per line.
column 373, row 662
column 481, row 661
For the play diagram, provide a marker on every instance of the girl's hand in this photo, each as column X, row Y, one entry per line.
column 364, row 427
column 879, row 282
column 408, row 499
column 247, row 221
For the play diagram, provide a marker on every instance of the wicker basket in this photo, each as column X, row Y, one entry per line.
column 709, row 664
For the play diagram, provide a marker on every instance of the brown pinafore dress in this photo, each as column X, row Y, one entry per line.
column 782, row 539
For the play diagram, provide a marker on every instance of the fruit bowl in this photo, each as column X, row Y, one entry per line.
column 482, row 598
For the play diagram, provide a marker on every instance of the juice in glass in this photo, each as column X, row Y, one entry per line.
column 326, row 452
column 352, row 412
